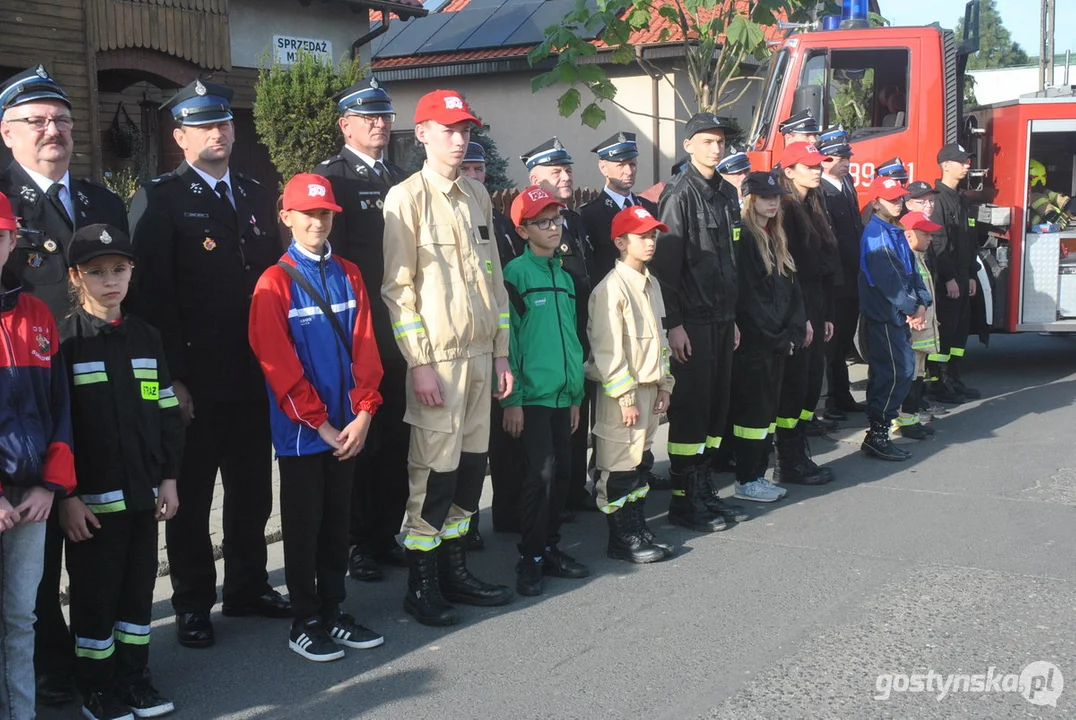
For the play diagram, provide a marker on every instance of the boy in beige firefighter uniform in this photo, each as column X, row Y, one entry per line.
column 449, row 309
column 630, row 358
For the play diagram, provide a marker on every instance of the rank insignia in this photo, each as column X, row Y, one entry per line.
column 83, row 199
column 196, row 188
column 242, row 191
column 209, row 244
column 34, row 260
column 609, row 202
column 50, row 245
column 28, row 194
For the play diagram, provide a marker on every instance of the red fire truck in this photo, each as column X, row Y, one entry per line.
column 899, row 91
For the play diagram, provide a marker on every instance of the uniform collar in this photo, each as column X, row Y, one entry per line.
column 369, row 160
column 44, row 183
column 443, row 184
column 212, row 181
column 832, row 181
column 100, row 326
column 538, row 259
column 618, row 198
column 638, row 280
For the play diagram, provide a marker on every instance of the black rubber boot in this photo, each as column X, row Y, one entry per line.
column 943, row 390
column 458, row 585
column 792, row 465
column 878, row 444
column 958, row 384
column 627, row 544
column 424, row 600
column 687, row 506
column 712, row 499
column 638, row 511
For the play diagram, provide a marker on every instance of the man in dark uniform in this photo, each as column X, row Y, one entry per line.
column 507, row 456
column 893, row 168
column 202, row 236
column 361, row 177
column 550, row 167
column 36, row 124
column 801, row 127
column 618, row 164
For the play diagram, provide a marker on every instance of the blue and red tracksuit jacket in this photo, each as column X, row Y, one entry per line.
column 35, row 408
column 306, row 366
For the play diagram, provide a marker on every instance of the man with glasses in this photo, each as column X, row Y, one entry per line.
column 36, row 124
column 202, row 236
column 361, row 177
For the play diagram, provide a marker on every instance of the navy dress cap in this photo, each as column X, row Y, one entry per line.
column 475, row 153
column 201, row 103
column 734, row 163
column 836, row 148
column 893, row 168
column 618, row 148
column 551, row 152
column 833, row 133
column 801, row 122
column 31, row 85
column 366, row 97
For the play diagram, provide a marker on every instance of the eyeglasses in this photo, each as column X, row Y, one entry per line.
column 98, row 273
column 545, row 223
column 38, row 124
column 386, row 118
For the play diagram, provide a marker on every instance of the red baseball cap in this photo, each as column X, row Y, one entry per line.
column 635, row 219
column 801, row 153
column 530, row 202
column 446, row 107
column 307, row 191
column 886, row 189
column 919, row 221
column 7, row 215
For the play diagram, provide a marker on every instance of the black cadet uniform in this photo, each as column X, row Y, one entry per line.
column 200, row 250
column 40, row 262
column 577, row 258
column 379, row 492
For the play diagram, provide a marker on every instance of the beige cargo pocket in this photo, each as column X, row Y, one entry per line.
column 436, row 419
column 609, row 423
column 438, row 258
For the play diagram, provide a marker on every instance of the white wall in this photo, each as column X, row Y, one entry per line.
column 1003, row 84
column 253, row 23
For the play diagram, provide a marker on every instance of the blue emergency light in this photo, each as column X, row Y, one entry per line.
column 855, row 14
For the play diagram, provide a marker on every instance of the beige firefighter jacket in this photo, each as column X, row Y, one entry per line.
column 926, row 340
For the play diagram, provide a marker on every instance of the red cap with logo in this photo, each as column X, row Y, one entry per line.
column 306, row 192
column 886, row 189
column 919, row 221
column 446, row 107
column 7, row 215
column 801, row 153
column 530, row 202
column 636, row 220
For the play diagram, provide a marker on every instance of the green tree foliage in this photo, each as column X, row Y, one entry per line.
column 496, row 166
column 294, row 113
column 996, row 47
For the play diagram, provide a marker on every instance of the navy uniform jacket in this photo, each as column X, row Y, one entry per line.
column 197, row 262
column 39, row 259
column 577, row 258
column 598, row 217
column 847, row 224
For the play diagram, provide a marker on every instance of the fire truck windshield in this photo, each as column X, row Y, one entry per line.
column 767, row 109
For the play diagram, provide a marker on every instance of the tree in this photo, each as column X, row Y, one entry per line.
column 717, row 36
column 996, row 47
column 496, row 166
column 294, row 113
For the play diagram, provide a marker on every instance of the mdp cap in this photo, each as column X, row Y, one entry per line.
column 700, row 122
column 953, row 152
column 8, row 221
column 307, row 191
column 763, row 184
column 530, row 202
column 93, row 241
column 919, row 221
column 201, row 103
column 801, row 153
column 366, row 97
column 446, row 107
column 31, row 85
column 886, row 189
column 637, row 220
column 551, row 152
column 618, row 148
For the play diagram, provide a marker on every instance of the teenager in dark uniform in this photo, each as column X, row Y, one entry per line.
column 361, row 177
column 50, row 204
column 203, row 235
column 129, row 434
column 550, row 167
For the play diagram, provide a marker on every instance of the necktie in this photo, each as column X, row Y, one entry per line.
column 381, row 170
column 222, row 191
column 627, row 203
column 54, row 194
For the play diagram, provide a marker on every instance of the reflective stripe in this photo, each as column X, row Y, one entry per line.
column 749, row 433
column 787, row 423
column 638, row 494
column 87, row 367
column 665, row 361
column 937, row 357
column 686, row 448
column 456, row 530
column 410, row 327
column 145, row 374
column 144, row 363
column 315, row 310
column 168, row 403
column 132, row 634
column 807, row 415
column 103, row 498
column 89, row 379
column 622, row 378
column 612, row 507
column 713, row 442
column 94, row 649
column 904, row 420
column 679, row 493
column 956, row 352
column 773, row 427
column 421, row 542
column 503, row 324
column 132, row 628
column 129, row 639
column 167, row 392
column 928, row 344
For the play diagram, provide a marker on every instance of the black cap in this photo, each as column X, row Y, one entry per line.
column 201, row 103
column 801, row 122
column 706, row 121
column 475, row 153
column 93, row 241
column 920, row 189
column 761, row 183
column 618, row 148
column 953, row 152
column 31, row 85
column 734, row 163
column 551, row 152
column 366, row 97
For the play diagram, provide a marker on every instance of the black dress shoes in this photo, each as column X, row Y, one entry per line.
column 362, row 566
column 194, row 630
column 271, row 605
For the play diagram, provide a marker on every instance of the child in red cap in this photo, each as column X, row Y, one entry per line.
column 311, row 330
column 629, row 356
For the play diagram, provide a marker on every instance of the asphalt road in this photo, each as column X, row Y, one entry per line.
column 962, row 560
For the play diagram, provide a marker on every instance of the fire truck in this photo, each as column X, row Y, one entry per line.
column 899, row 93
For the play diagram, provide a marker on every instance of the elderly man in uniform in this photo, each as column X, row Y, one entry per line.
column 549, row 166
column 361, row 177
column 202, row 236
column 36, row 124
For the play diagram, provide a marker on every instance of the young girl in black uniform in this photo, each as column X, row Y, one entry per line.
column 128, row 439
column 772, row 324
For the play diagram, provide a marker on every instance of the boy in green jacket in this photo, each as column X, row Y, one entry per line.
column 547, row 361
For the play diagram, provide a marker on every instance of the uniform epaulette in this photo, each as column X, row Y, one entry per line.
column 333, row 159
column 248, row 178
column 160, row 179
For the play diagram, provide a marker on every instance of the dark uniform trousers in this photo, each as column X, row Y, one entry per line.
column 507, row 466
column 545, row 487
column 845, row 324
column 802, row 384
column 232, row 437
column 112, row 577
column 699, row 410
column 954, row 318
column 756, row 390
column 890, row 369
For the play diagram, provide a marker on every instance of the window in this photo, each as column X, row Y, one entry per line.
column 868, row 91
column 768, row 107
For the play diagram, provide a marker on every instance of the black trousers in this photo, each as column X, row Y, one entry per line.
column 52, row 639
column 546, row 437
column 756, row 388
column 507, row 467
column 954, row 318
column 699, row 410
column 890, row 369
column 577, row 489
column 315, row 509
column 845, row 322
column 234, row 439
column 112, row 577
column 379, row 491
column 802, row 384
column 912, row 400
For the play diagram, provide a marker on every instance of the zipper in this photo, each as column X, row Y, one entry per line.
column 13, row 369
column 347, row 361
column 560, row 332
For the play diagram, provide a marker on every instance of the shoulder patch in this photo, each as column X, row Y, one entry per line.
column 241, row 176
column 330, row 161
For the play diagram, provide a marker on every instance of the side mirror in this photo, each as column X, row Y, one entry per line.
column 810, row 98
column 970, row 42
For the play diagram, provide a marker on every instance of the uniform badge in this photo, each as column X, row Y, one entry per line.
column 379, row 204
column 196, row 188
column 50, row 245
column 43, row 343
column 106, row 239
column 83, row 199
column 735, row 234
column 254, row 225
column 199, row 88
column 557, row 145
column 360, row 169
column 34, row 260
column 374, row 84
column 41, row 73
column 609, row 202
column 242, row 190
column 28, row 193
column 564, row 248
column 489, row 267
column 209, row 244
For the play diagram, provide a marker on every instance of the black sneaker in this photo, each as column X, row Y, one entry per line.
column 529, row 577
column 310, row 640
column 145, row 701
column 562, row 565
column 345, row 631
column 102, row 705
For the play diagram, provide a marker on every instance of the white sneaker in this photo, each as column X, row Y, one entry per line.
column 758, row 491
column 780, row 490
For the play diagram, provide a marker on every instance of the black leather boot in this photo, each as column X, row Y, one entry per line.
column 825, row 472
column 878, row 444
column 638, row 511
column 792, row 465
column 712, row 499
column 424, row 600
column 943, row 389
column 687, row 507
column 958, row 384
column 459, row 585
column 624, row 544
